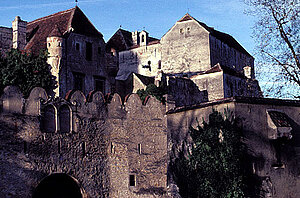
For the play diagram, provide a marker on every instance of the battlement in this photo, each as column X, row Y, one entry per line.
column 62, row 114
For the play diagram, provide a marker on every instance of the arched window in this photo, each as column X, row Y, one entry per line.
column 64, row 119
column 48, row 122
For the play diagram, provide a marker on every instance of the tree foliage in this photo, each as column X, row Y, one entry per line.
column 152, row 90
column 213, row 167
column 26, row 71
column 277, row 36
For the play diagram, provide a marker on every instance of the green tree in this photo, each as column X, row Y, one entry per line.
column 213, row 166
column 26, row 71
column 152, row 90
column 277, row 36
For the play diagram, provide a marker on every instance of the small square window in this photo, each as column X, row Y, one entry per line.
column 132, row 181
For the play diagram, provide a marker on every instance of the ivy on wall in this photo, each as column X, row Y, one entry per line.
column 26, row 71
column 211, row 166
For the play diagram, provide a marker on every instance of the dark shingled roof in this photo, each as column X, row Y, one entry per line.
column 56, row 32
column 226, row 38
column 64, row 22
column 122, row 40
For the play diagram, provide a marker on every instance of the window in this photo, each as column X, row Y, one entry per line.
column 139, row 147
column 132, row 181
column 48, row 122
column 78, row 81
column 99, row 84
column 181, row 31
column 159, row 64
column 112, row 148
column 83, row 147
column 64, row 119
column 188, row 29
column 89, row 51
column 77, row 46
column 99, row 50
column 49, row 44
column 143, row 38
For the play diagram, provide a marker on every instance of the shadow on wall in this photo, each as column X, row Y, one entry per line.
column 16, row 176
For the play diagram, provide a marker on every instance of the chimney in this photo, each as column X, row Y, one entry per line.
column 135, row 38
column 19, row 33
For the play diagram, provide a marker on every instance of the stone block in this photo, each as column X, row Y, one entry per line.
column 12, row 100
column 32, row 106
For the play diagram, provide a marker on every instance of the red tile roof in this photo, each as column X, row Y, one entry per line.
column 64, row 22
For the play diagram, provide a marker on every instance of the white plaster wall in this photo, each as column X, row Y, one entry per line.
column 133, row 61
column 185, row 48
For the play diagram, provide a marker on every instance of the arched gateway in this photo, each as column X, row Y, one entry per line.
column 58, row 185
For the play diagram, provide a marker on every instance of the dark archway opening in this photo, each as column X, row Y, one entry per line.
column 58, row 185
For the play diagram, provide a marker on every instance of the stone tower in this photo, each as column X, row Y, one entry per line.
column 55, row 45
column 19, row 33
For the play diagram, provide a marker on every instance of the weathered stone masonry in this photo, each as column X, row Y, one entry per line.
column 101, row 151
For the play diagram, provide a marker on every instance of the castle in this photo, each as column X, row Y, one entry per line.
column 87, row 142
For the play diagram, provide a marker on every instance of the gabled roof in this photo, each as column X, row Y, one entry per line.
column 66, row 21
column 226, row 38
column 122, row 40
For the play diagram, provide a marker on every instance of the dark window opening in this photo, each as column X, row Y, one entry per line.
column 99, row 84
column 78, row 81
column 48, row 122
column 89, row 51
column 143, row 38
column 25, row 147
column 99, row 50
column 139, row 148
column 83, row 146
column 77, row 46
column 159, row 64
column 132, row 180
column 64, row 119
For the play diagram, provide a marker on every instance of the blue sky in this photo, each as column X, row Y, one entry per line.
column 156, row 16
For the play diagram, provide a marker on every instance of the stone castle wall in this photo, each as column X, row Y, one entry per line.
column 99, row 142
column 6, row 37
